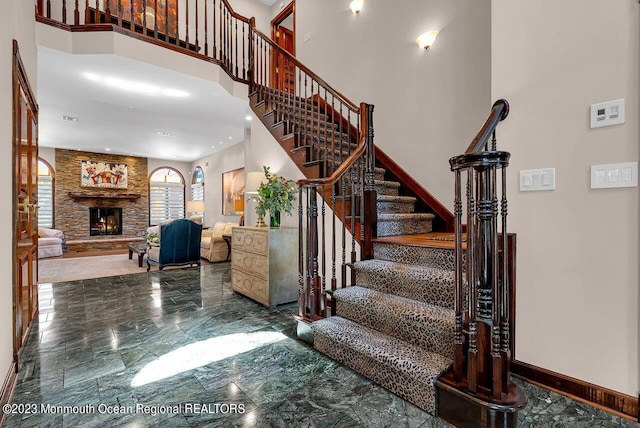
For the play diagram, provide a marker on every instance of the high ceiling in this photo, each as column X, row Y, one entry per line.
column 122, row 105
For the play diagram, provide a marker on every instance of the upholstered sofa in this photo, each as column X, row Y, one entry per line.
column 212, row 246
column 49, row 242
column 179, row 244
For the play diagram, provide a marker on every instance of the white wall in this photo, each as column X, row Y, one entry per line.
column 577, row 268
column 213, row 166
column 18, row 24
column 428, row 104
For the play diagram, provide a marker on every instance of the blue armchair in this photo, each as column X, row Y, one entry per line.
column 179, row 245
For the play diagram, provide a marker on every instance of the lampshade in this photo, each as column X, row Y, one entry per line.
column 238, row 205
column 195, row 206
column 425, row 40
column 356, row 5
column 253, row 182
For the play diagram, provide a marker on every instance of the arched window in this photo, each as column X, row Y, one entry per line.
column 166, row 195
column 197, row 187
column 45, row 194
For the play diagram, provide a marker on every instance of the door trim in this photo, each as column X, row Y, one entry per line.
column 289, row 9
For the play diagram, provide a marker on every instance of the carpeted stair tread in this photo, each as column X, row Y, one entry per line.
column 387, row 187
column 424, row 325
column 433, row 257
column 387, row 204
column 392, row 224
column 425, row 284
column 404, row 369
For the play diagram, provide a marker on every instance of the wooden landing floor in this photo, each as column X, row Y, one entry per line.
column 433, row 240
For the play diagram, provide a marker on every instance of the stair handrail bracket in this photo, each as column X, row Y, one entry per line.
column 484, row 270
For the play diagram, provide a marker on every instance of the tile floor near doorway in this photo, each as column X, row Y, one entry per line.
column 179, row 348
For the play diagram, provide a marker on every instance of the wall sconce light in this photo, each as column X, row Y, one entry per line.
column 356, row 5
column 425, row 40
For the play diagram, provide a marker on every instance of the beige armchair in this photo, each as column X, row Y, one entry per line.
column 49, row 242
column 212, row 246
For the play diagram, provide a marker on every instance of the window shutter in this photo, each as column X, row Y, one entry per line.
column 166, row 202
column 45, row 201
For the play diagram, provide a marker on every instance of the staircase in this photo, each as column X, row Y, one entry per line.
column 382, row 293
column 396, row 325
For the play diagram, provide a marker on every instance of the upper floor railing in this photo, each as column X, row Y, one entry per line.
column 207, row 29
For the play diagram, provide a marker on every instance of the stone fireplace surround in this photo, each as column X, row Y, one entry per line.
column 72, row 202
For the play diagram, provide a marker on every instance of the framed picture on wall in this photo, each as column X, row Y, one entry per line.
column 232, row 190
column 103, row 174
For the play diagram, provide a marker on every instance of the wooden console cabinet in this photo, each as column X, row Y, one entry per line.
column 264, row 264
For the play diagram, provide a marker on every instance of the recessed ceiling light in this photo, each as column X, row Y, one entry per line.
column 107, row 149
column 230, row 138
column 213, row 147
column 163, row 134
column 248, row 117
column 70, row 118
column 221, row 142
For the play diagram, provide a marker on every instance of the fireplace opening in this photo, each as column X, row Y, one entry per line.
column 105, row 221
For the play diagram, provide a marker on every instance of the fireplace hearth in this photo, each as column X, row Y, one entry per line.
column 105, row 221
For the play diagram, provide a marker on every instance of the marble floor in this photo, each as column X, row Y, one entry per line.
column 179, row 348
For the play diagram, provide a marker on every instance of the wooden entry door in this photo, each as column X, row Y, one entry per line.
column 285, row 69
column 25, row 236
column 283, row 33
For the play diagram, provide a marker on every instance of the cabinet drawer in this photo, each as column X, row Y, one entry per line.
column 251, row 263
column 254, row 240
column 249, row 285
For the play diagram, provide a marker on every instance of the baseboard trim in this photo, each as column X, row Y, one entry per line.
column 7, row 389
column 611, row 401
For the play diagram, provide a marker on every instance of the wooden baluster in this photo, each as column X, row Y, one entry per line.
column 458, row 309
column 244, row 55
column 324, row 252
column 64, row 11
column 215, row 51
column 221, row 39
column 300, row 254
column 177, row 23
column 496, row 356
column 236, row 43
column 206, row 33
column 506, row 284
column 334, row 280
column 197, row 37
column 155, row 19
column 472, row 353
column 250, row 47
column 370, row 194
column 49, row 8
column 76, row 14
column 166, row 20
column 96, row 13
column 107, row 12
column 187, row 24
column 132, row 23
column 119, row 13
column 144, row 17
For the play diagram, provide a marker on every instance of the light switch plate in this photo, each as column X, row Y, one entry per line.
column 614, row 175
column 607, row 113
column 537, row 179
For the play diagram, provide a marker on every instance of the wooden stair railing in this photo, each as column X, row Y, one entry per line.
column 483, row 334
column 206, row 29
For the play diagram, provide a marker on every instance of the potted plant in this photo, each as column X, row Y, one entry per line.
column 275, row 195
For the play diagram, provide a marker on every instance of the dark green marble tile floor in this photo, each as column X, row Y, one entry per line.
column 179, row 348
